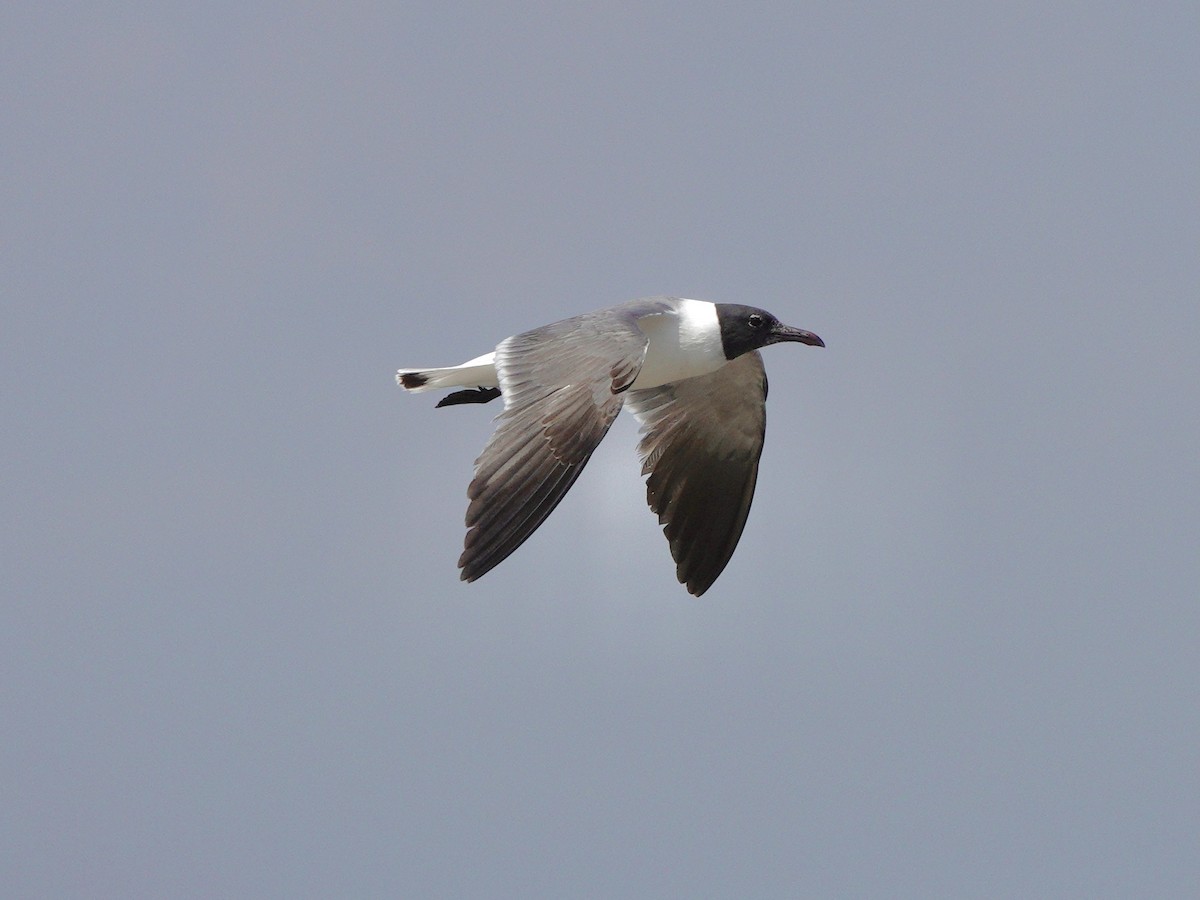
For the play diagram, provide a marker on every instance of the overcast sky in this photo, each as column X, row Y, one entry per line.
column 956, row 653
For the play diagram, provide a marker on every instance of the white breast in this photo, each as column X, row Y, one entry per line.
column 682, row 345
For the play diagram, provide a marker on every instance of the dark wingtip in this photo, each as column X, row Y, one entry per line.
column 411, row 380
column 694, row 575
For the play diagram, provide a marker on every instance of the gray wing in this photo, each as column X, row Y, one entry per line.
column 701, row 441
column 562, row 386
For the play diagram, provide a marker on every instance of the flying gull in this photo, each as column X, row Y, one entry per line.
column 689, row 370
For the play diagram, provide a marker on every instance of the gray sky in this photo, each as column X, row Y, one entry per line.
column 956, row 651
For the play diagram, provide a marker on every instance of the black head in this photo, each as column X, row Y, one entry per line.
column 744, row 328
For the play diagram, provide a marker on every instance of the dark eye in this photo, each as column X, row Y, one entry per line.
column 755, row 320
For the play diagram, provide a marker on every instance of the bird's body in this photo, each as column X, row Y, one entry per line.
column 680, row 345
column 688, row 369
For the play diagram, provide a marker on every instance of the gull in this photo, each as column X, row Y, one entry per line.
column 689, row 370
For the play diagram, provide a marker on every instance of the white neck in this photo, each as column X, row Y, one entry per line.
column 682, row 345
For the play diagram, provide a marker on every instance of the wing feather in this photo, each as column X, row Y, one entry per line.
column 562, row 387
column 700, row 447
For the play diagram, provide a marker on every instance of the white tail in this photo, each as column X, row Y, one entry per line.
column 478, row 372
